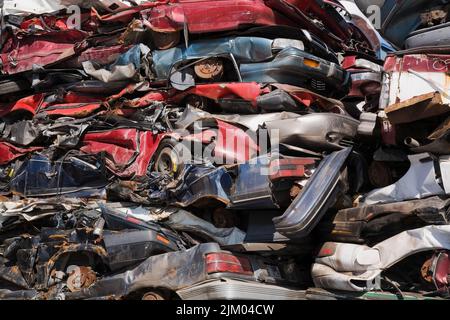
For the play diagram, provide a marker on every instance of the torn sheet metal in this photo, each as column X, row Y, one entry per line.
column 243, row 49
column 69, row 104
column 350, row 267
column 17, row 7
column 304, row 12
column 228, row 143
column 197, row 17
column 251, row 185
column 127, row 66
column 174, row 270
column 378, row 44
column 27, row 105
column 153, row 128
column 19, row 55
column 317, row 132
column 42, row 258
column 356, row 225
column 202, row 183
column 176, row 219
column 18, row 294
column 22, row 133
column 9, row 152
column 184, row 221
column 39, row 176
column 67, row 131
column 319, row 194
column 419, row 182
column 233, row 145
column 189, row 271
column 129, row 150
column 32, row 209
column 252, row 122
column 416, row 75
column 254, row 98
column 130, row 247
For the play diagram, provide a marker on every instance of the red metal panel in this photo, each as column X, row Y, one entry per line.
column 209, row 16
column 129, row 151
column 27, row 104
column 8, row 152
column 21, row 52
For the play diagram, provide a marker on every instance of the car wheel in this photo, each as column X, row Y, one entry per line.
column 152, row 295
column 170, row 157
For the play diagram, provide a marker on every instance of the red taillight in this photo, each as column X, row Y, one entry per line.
column 225, row 262
column 291, row 168
column 328, row 249
column 441, row 267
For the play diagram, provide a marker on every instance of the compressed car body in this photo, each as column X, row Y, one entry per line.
column 381, row 221
column 320, row 131
column 73, row 174
column 400, row 18
column 21, row 53
column 289, row 63
column 351, row 267
column 253, row 98
column 419, row 182
column 187, row 273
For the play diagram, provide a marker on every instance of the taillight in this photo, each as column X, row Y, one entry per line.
column 225, row 262
column 437, row 270
column 291, row 168
column 328, row 249
column 441, row 267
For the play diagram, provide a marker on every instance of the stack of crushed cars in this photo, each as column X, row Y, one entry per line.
column 222, row 149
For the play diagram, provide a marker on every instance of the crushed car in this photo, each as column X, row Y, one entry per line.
column 198, row 149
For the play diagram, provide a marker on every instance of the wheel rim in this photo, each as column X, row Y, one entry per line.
column 152, row 296
column 167, row 162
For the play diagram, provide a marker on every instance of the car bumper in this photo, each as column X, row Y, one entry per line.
column 226, row 289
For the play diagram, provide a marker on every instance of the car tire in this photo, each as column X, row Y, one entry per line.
column 170, row 157
column 153, row 296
